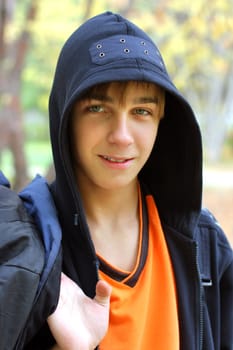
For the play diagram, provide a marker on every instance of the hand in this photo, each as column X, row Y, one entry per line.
column 79, row 322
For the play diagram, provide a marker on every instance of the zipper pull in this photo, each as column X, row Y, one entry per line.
column 76, row 219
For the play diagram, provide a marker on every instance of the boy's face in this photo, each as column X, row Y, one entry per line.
column 113, row 133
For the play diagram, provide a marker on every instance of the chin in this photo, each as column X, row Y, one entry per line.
column 118, row 185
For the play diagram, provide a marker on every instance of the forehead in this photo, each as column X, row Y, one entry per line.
column 122, row 88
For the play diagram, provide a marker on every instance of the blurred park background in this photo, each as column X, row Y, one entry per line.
column 196, row 41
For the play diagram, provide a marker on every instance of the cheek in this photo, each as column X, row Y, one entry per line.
column 84, row 140
column 149, row 137
column 77, row 142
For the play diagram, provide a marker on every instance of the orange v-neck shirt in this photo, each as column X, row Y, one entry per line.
column 144, row 316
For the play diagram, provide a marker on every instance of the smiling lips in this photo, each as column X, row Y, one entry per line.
column 116, row 160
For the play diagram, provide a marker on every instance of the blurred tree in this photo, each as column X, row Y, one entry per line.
column 199, row 53
column 13, row 52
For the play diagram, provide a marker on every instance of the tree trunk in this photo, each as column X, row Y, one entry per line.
column 12, row 59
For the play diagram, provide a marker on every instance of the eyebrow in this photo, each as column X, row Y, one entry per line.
column 99, row 97
column 146, row 100
column 106, row 98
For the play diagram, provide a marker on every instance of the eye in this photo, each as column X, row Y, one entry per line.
column 96, row 108
column 142, row 111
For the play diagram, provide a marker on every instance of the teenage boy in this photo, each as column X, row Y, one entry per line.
column 128, row 158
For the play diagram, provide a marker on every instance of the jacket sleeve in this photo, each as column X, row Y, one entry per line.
column 21, row 264
column 39, row 203
column 225, row 269
column 216, row 267
column 227, row 308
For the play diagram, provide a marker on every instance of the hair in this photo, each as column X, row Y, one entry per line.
column 122, row 87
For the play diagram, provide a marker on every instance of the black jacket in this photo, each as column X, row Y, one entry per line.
column 202, row 266
column 30, row 261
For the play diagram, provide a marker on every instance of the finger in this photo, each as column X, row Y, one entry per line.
column 103, row 292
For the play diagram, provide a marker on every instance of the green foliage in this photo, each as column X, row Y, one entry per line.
column 229, row 142
column 39, row 157
column 36, row 127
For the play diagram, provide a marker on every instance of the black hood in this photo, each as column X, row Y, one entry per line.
column 110, row 48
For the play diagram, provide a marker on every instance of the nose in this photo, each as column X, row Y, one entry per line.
column 120, row 132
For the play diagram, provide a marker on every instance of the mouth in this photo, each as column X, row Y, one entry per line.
column 116, row 159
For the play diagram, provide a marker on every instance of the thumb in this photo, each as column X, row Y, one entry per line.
column 103, row 292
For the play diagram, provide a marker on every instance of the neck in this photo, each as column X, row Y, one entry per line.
column 110, row 205
column 113, row 220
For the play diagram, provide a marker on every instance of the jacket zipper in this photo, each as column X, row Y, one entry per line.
column 200, row 301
